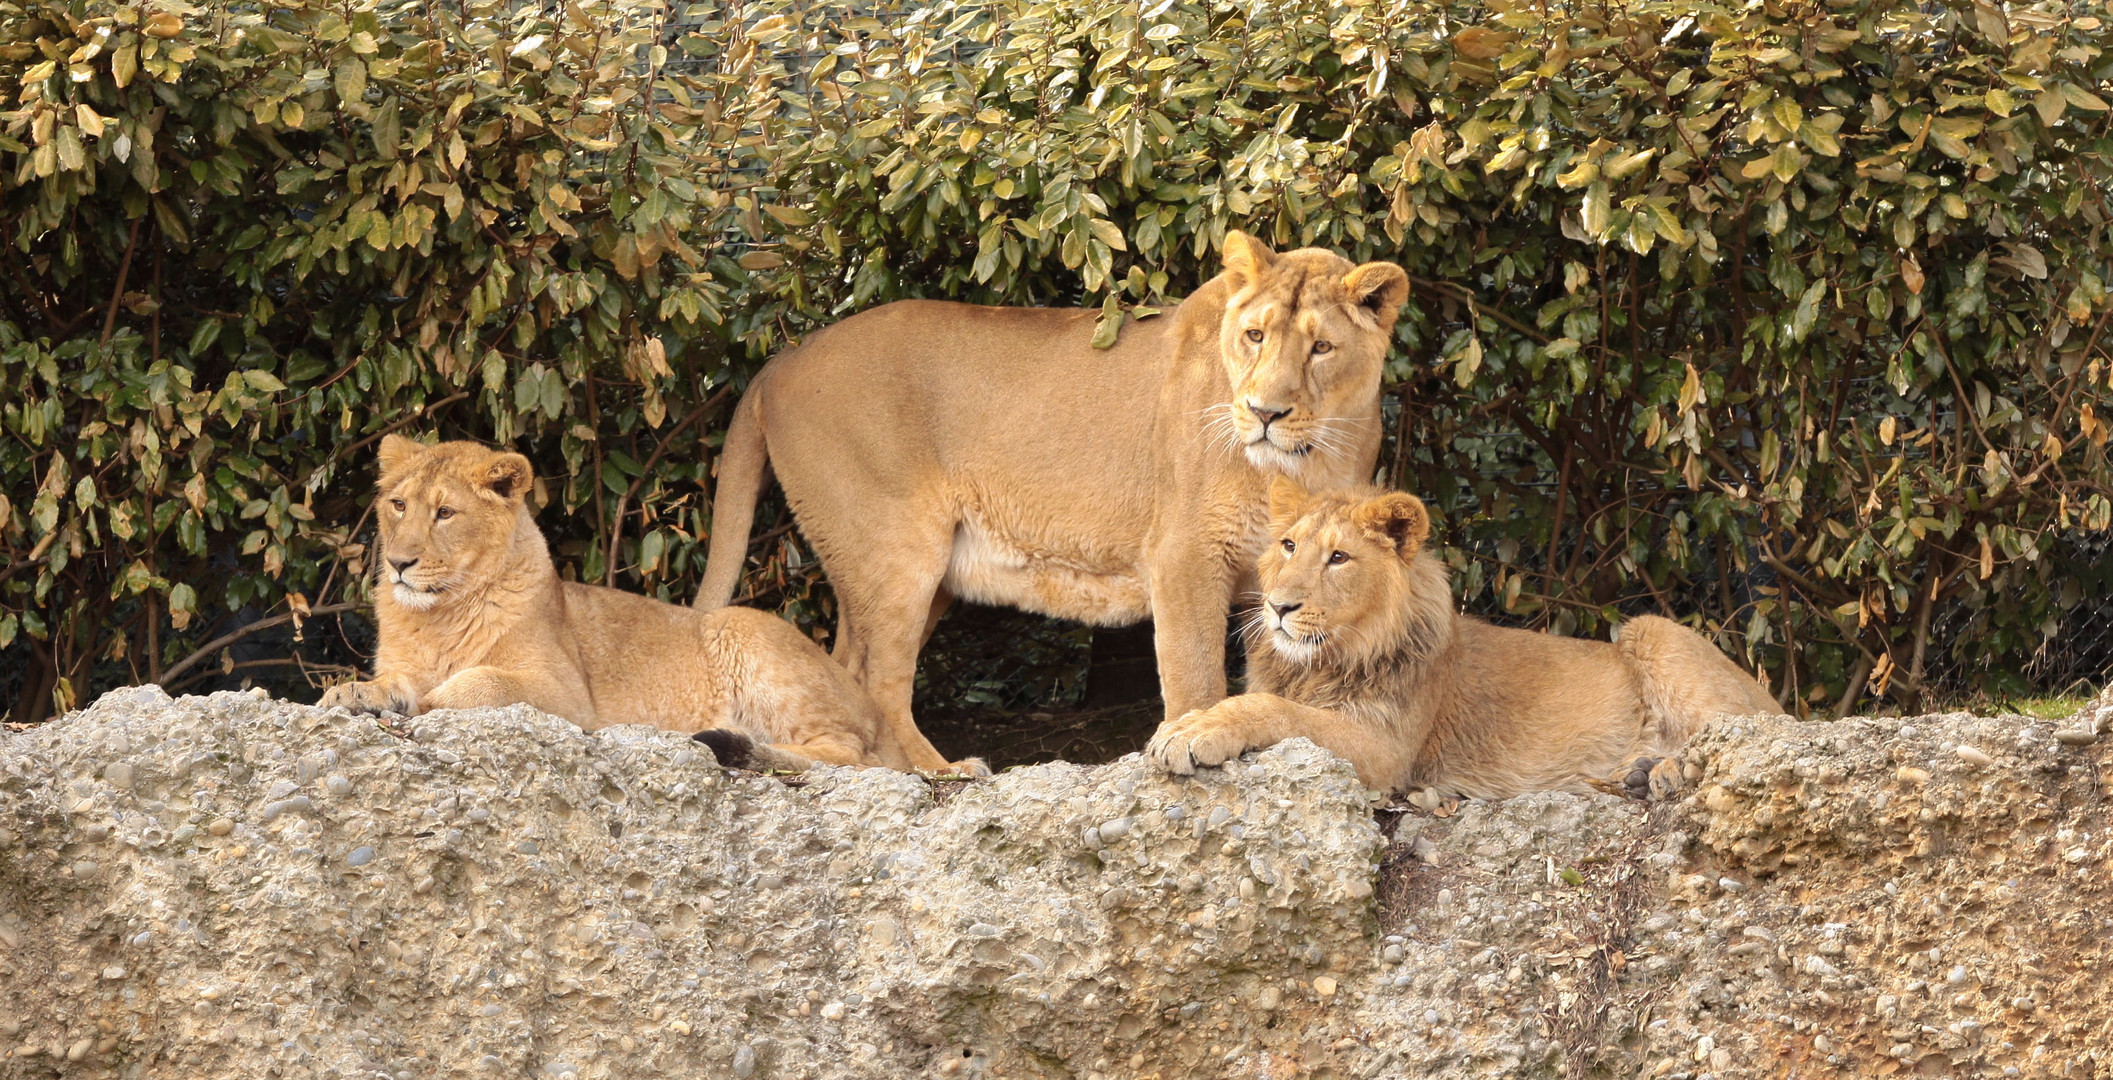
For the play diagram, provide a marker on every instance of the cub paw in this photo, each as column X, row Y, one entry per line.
column 733, row 749
column 1196, row 740
column 365, row 697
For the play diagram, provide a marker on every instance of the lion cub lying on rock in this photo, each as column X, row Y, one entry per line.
column 472, row 612
column 1361, row 650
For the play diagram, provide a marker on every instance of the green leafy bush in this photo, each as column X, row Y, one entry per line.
column 1785, row 318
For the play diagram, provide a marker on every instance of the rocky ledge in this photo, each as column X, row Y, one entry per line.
column 236, row 887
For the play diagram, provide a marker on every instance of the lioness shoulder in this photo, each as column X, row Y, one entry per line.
column 1357, row 645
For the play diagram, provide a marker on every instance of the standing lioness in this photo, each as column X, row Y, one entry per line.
column 1358, row 647
column 934, row 450
column 472, row 612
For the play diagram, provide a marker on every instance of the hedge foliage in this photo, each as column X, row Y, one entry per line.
column 1785, row 317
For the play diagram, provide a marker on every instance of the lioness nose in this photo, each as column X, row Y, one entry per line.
column 402, row 565
column 1267, row 414
column 1283, row 609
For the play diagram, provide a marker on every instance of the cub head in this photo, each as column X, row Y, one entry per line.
column 447, row 515
column 1304, row 342
column 1346, row 579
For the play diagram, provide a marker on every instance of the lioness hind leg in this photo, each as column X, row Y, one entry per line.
column 1686, row 680
column 885, row 606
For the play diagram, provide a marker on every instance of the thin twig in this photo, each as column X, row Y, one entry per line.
column 1855, row 689
column 279, row 661
column 37, row 556
column 362, row 444
column 124, row 270
column 1476, row 306
column 229, row 638
column 616, row 530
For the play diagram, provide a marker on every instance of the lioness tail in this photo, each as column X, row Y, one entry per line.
column 744, row 464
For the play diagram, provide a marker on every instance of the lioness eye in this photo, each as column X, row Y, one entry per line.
column 1320, row 347
column 444, row 513
column 1337, row 558
column 1290, row 546
column 398, row 504
column 1254, row 335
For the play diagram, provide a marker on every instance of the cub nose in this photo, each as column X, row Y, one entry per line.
column 1284, row 609
column 402, row 565
column 1267, row 414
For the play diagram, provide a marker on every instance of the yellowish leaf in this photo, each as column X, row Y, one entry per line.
column 1911, row 274
column 1628, row 163
column 2082, row 98
column 1584, row 172
column 1482, row 43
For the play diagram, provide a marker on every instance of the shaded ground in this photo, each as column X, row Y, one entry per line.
column 1004, row 739
column 1019, row 689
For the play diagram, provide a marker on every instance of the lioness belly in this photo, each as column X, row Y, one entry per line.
column 986, row 569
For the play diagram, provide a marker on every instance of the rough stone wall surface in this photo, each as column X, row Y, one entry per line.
column 234, row 887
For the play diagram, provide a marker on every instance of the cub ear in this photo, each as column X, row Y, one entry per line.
column 1399, row 517
column 508, row 475
column 1378, row 287
column 1246, row 257
column 1286, row 499
column 398, row 454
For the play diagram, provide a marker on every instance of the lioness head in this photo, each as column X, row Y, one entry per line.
column 447, row 514
column 1304, row 341
column 1347, row 578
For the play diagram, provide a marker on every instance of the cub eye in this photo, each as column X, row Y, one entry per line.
column 1320, row 347
column 1290, row 546
column 1254, row 336
column 444, row 513
column 1337, row 558
column 398, row 504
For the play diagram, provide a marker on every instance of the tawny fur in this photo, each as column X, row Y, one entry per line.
column 472, row 612
column 933, row 451
column 1358, row 646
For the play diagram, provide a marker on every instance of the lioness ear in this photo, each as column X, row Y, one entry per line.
column 397, row 453
column 1378, row 287
column 1247, row 257
column 508, row 475
column 1286, row 499
column 1400, row 517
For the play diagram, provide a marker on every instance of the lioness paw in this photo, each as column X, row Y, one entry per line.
column 1197, row 740
column 365, row 697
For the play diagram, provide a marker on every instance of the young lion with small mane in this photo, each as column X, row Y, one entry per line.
column 1359, row 648
column 472, row 612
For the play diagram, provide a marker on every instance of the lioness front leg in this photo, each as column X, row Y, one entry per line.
column 1213, row 736
column 485, row 685
column 1191, row 593
column 383, row 693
